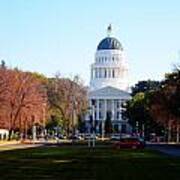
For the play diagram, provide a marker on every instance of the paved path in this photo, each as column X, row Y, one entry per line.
column 7, row 147
column 169, row 149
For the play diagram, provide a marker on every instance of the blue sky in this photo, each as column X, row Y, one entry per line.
column 52, row 36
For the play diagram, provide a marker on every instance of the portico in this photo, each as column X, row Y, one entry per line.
column 108, row 101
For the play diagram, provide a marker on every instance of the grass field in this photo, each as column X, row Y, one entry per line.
column 81, row 163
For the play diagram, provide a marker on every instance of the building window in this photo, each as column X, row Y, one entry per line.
column 100, row 105
column 96, row 73
column 100, row 115
column 113, row 73
column 118, row 104
column 105, row 73
column 93, row 102
column 118, row 115
column 99, row 72
column 123, row 128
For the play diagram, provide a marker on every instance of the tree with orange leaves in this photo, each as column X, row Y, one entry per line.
column 23, row 100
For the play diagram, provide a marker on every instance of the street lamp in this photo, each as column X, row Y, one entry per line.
column 92, row 118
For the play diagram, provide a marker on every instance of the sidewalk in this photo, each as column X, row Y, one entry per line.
column 2, row 143
column 9, row 147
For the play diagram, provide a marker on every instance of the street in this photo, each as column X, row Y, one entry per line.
column 169, row 149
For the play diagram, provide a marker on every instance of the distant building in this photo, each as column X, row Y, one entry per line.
column 109, row 85
column 4, row 133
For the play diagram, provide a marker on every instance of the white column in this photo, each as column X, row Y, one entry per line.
column 108, row 73
column 119, row 110
column 112, row 109
column 91, row 73
column 104, row 118
column 105, row 109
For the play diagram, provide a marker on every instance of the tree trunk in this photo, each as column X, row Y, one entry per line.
column 10, row 134
column 169, row 131
column 177, row 133
column 143, row 130
column 26, row 129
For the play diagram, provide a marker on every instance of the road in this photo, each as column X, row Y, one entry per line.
column 169, row 149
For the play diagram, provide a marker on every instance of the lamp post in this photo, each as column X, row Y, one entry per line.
column 93, row 126
column 137, row 128
column 92, row 134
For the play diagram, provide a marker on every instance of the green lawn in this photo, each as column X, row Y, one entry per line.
column 80, row 163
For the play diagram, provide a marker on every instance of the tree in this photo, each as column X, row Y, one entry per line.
column 68, row 98
column 108, row 124
column 3, row 64
column 23, row 100
column 145, row 86
column 166, row 108
column 137, row 109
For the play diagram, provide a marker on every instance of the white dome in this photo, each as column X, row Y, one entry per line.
column 110, row 67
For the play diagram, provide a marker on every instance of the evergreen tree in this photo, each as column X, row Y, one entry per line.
column 108, row 124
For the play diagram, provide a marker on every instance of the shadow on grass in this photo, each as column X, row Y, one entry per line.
column 76, row 162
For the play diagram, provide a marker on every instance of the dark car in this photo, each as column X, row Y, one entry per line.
column 131, row 142
column 75, row 137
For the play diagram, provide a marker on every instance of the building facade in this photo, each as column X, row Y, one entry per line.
column 109, row 86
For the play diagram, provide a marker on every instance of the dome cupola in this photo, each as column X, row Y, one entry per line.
column 109, row 43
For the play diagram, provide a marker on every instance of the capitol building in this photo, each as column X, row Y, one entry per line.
column 109, row 87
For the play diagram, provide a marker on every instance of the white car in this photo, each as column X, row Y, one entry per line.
column 115, row 136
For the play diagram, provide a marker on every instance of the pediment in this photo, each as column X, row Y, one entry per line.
column 109, row 92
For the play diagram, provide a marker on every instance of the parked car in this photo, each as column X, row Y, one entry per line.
column 76, row 137
column 131, row 142
column 89, row 136
column 61, row 136
column 115, row 137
